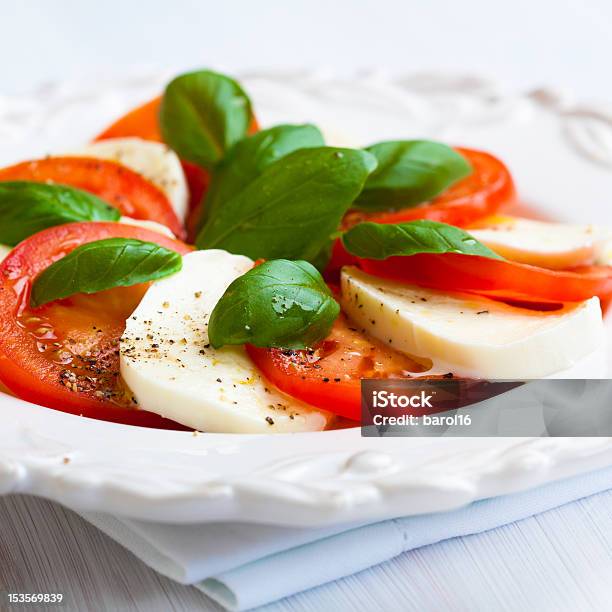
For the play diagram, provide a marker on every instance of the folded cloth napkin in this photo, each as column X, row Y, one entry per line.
column 233, row 562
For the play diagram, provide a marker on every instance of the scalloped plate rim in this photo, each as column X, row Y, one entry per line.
column 303, row 479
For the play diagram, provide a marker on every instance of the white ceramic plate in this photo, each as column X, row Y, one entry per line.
column 561, row 156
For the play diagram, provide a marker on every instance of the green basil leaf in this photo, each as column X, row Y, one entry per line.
column 246, row 160
column 292, row 208
column 202, row 115
column 103, row 264
column 381, row 240
column 410, row 172
column 27, row 207
column 280, row 303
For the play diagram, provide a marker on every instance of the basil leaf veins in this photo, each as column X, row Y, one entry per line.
column 382, row 240
column 410, row 172
column 250, row 156
column 280, row 303
column 28, row 207
column 202, row 114
column 291, row 209
column 103, row 264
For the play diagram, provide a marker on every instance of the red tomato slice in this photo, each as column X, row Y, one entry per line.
column 142, row 122
column 130, row 192
column 329, row 376
column 495, row 277
column 486, row 190
column 65, row 354
column 197, row 181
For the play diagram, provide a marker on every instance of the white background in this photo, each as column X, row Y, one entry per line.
column 522, row 43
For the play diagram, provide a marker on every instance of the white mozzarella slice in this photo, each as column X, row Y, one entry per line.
column 168, row 364
column 470, row 335
column 150, row 225
column 154, row 160
column 549, row 245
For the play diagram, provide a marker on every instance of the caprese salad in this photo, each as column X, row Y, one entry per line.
column 190, row 270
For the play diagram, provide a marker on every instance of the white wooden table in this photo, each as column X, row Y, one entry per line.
column 560, row 561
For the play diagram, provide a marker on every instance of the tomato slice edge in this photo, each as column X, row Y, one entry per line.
column 23, row 368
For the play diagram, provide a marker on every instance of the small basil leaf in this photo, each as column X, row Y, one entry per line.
column 381, row 240
column 248, row 157
column 280, row 303
column 292, row 208
column 410, row 172
column 27, row 207
column 103, row 264
column 202, row 115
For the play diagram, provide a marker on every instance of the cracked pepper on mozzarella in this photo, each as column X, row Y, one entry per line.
column 172, row 370
column 154, row 160
column 472, row 335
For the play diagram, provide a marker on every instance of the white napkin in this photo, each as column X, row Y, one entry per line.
column 242, row 565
